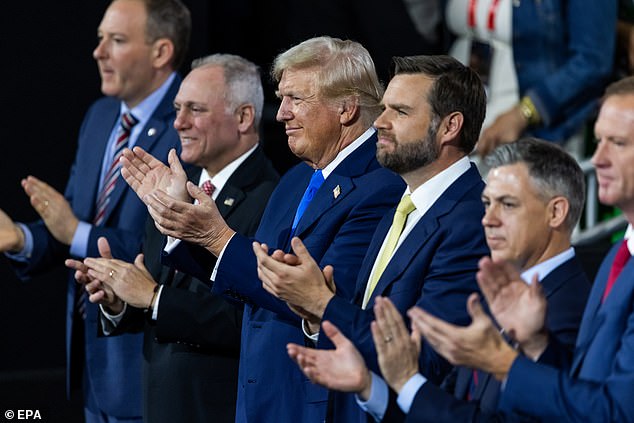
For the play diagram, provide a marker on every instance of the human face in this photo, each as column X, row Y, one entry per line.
column 614, row 157
column 209, row 133
column 516, row 220
column 407, row 137
column 123, row 55
column 312, row 124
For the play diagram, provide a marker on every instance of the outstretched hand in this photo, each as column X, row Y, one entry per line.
column 145, row 173
column 341, row 369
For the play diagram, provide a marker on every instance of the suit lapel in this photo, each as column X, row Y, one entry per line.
column 424, row 228
column 594, row 314
column 232, row 193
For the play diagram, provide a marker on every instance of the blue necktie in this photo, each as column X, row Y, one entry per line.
column 315, row 182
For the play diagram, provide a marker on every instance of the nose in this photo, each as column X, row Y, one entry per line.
column 100, row 51
column 284, row 111
column 599, row 158
column 381, row 121
column 490, row 217
column 181, row 121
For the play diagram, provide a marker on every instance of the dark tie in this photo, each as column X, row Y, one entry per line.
column 315, row 182
column 473, row 385
column 208, row 187
column 620, row 260
column 109, row 181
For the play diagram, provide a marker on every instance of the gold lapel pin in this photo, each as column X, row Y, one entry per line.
column 336, row 191
column 229, row 202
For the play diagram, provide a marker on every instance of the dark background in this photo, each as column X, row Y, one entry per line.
column 50, row 79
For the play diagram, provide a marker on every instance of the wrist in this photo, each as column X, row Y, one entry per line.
column 18, row 245
column 152, row 304
column 218, row 243
column 535, row 346
column 366, row 388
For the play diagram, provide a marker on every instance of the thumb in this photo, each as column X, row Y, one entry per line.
column 474, row 307
column 197, row 193
column 415, row 338
column 333, row 333
column 175, row 163
column 104, row 248
column 329, row 276
column 300, row 250
column 139, row 264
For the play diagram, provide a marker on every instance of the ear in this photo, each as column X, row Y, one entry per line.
column 558, row 208
column 348, row 110
column 162, row 52
column 450, row 127
column 245, row 115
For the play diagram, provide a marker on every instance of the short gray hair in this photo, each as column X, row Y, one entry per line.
column 242, row 79
column 553, row 171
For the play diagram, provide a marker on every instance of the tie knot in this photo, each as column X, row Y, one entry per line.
column 405, row 206
column 128, row 121
column 208, row 187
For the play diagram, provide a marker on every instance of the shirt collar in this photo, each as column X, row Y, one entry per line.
column 544, row 268
column 428, row 193
column 347, row 151
column 220, row 179
column 143, row 111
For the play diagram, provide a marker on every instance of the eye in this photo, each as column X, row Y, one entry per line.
column 486, row 204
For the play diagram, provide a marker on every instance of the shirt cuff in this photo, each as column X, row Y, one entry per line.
column 406, row 396
column 376, row 405
column 171, row 244
column 114, row 319
column 156, row 303
column 312, row 336
column 222, row 252
column 79, row 244
column 24, row 254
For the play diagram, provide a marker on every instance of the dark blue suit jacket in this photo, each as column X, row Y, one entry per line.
column 566, row 289
column 336, row 228
column 113, row 364
column 434, row 268
column 598, row 385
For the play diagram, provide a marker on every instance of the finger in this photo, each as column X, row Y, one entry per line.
column 175, row 163
column 104, row 247
column 334, row 334
column 198, row 194
column 301, row 251
column 294, row 350
column 329, row 276
column 474, row 308
column 146, row 161
column 75, row 265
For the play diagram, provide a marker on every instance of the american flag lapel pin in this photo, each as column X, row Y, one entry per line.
column 336, row 191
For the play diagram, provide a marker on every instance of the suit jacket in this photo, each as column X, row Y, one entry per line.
column 566, row 289
column 598, row 384
column 190, row 353
column 434, row 268
column 336, row 228
column 108, row 360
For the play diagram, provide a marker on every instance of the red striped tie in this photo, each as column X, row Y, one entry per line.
column 208, row 187
column 109, row 181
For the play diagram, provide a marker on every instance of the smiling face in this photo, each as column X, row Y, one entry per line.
column 123, row 55
column 312, row 124
column 614, row 157
column 517, row 221
column 407, row 136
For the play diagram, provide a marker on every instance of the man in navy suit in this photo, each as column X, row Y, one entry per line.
column 595, row 384
column 192, row 337
column 141, row 44
column 533, row 200
column 330, row 96
column 433, row 112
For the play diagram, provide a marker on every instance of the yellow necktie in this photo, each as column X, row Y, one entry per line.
column 404, row 208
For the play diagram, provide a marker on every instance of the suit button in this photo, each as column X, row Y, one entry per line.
column 251, row 381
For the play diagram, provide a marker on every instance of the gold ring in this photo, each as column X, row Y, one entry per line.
column 388, row 339
column 45, row 203
column 111, row 273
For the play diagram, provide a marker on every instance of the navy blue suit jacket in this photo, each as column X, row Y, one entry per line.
column 598, row 385
column 336, row 228
column 566, row 289
column 113, row 364
column 434, row 268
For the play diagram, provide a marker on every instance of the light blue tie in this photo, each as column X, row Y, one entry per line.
column 315, row 182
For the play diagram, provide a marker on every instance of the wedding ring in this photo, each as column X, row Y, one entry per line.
column 111, row 273
column 388, row 339
column 45, row 203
